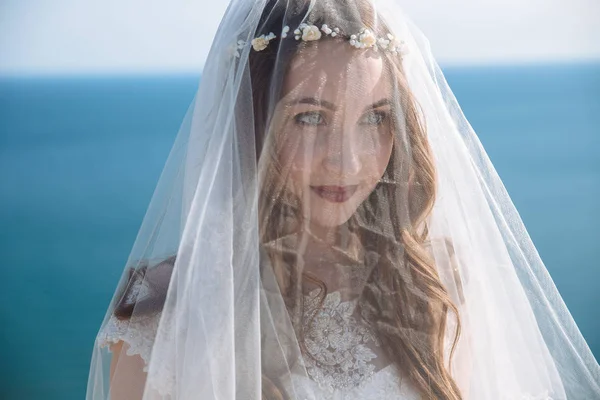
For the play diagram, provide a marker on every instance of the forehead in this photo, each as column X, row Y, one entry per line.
column 335, row 71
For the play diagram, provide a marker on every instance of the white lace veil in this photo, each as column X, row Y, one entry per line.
column 325, row 153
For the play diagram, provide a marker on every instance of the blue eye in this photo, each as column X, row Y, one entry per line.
column 373, row 118
column 309, row 118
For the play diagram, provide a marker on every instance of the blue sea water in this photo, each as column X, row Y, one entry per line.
column 80, row 156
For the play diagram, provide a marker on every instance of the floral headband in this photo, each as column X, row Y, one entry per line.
column 365, row 38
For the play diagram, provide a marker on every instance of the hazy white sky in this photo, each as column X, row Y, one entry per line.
column 66, row 36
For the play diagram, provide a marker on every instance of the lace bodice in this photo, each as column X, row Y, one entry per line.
column 383, row 384
column 342, row 368
column 342, row 350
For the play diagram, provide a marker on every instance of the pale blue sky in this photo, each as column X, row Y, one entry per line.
column 108, row 36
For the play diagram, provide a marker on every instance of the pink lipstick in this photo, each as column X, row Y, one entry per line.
column 336, row 194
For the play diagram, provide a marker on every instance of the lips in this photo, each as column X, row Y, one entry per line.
column 336, row 194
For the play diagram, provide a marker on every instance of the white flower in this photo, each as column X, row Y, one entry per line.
column 383, row 43
column 367, row 38
column 232, row 50
column 355, row 42
column 399, row 47
column 310, row 32
column 235, row 48
column 260, row 43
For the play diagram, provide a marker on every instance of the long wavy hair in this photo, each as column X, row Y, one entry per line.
column 407, row 304
column 404, row 295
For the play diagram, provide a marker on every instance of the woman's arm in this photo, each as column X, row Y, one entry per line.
column 145, row 292
column 127, row 376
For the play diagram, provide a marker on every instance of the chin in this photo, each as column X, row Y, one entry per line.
column 331, row 216
column 329, row 223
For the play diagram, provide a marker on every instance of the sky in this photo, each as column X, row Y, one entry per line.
column 150, row 36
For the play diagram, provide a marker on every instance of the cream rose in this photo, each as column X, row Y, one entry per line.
column 367, row 38
column 311, row 32
column 260, row 43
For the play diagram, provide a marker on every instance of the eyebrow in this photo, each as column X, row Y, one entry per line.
column 324, row 103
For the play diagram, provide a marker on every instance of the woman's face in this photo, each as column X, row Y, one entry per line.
column 334, row 129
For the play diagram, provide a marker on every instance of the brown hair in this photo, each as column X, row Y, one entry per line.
column 404, row 296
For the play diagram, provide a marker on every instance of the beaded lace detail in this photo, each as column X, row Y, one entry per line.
column 339, row 347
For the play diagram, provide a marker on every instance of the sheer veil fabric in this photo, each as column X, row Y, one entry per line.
column 329, row 226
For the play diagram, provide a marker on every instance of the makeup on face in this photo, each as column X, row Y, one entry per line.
column 335, row 194
column 336, row 135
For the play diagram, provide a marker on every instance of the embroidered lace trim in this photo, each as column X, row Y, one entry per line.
column 138, row 332
column 339, row 347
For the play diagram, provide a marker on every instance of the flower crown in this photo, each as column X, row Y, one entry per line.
column 365, row 38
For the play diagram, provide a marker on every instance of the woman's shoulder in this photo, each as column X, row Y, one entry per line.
column 138, row 332
column 145, row 289
column 136, row 315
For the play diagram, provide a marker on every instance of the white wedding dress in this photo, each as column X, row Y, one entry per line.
column 342, row 346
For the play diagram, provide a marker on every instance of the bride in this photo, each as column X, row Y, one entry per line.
column 328, row 226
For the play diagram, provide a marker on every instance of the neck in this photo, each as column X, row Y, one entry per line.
column 337, row 260
column 319, row 244
column 333, row 236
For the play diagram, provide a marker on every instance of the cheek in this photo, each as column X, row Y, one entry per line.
column 385, row 152
column 300, row 158
column 378, row 158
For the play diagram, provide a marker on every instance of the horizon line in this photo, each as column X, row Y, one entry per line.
column 86, row 73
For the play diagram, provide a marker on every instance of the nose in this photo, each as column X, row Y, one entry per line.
column 343, row 155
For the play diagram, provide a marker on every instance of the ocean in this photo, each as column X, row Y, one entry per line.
column 80, row 157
